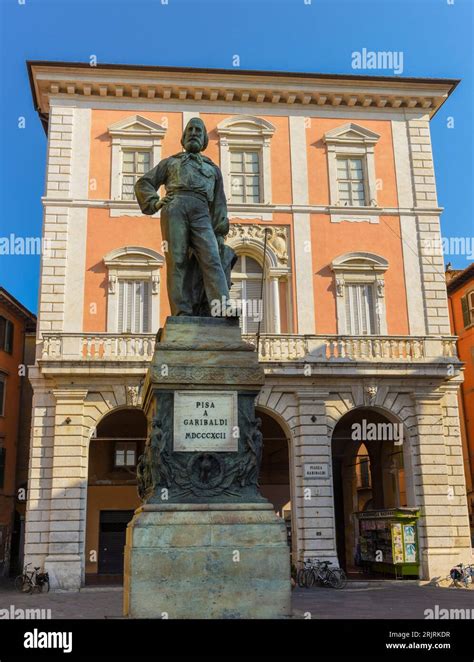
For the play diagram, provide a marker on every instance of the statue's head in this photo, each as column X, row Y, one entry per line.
column 195, row 138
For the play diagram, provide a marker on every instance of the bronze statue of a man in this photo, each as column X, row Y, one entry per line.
column 193, row 222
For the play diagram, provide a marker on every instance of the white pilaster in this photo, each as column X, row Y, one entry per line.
column 408, row 230
column 77, row 230
column 301, row 227
column 428, row 227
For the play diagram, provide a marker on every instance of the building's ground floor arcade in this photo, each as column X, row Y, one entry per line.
column 316, row 471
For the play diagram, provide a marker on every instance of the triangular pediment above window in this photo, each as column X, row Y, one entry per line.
column 351, row 133
column 137, row 125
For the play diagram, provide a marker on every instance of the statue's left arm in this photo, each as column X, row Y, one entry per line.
column 218, row 208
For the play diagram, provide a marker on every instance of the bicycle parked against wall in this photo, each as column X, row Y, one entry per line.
column 32, row 580
column 315, row 571
column 462, row 575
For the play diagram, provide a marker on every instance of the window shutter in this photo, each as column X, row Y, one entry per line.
column 146, row 307
column 466, row 315
column 3, row 460
column 253, row 304
column 352, row 310
column 360, row 311
column 348, row 307
column 2, row 395
column 9, row 329
column 369, row 317
column 138, row 303
column 3, row 324
column 134, row 306
column 235, row 294
column 128, row 307
column 121, row 306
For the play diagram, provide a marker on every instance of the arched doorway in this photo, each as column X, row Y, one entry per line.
column 274, row 476
column 112, row 491
column 368, row 474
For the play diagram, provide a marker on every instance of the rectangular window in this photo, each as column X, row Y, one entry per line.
column 3, row 461
column 3, row 384
column 134, row 306
column 364, row 472
column 350, row 181
column 134, row 165
column 125, row 454
column 6, row 335
column 467, row 303
column 360, row 309
column 245, row 176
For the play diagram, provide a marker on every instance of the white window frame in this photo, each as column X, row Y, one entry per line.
column 341, row 157
column 134, row 133
column 470, row 306
column 245, row 174
column 360, row 268
column 133, row 263
column 352, row 141
column 126, row 452
column 133, row 174
column 245, row 132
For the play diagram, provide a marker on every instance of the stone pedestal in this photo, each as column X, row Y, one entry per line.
column 207, row 561
column 205, row 543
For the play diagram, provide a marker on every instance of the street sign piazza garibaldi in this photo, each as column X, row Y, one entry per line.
column 198, row 474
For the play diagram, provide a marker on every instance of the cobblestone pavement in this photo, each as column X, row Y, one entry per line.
column 390, row 601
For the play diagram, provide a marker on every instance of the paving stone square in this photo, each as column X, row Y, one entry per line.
column 386, row 601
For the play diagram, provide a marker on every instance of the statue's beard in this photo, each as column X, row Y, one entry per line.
column 193, row 146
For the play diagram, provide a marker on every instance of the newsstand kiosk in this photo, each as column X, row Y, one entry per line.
column 388, row 541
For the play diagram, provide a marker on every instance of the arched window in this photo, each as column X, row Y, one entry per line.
column 247, row 288
column 251, row 243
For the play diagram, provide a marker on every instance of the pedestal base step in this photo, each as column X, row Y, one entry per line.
column 207, row 561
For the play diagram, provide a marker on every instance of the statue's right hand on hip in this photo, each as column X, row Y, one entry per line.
column 164, row 201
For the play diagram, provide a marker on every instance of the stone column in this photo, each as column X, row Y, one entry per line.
column 314, row 496
column 65, row 560
column 439, row 485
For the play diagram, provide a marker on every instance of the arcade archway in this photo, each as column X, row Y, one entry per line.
column 112, row 491
column 274, row 476
column 368, row 474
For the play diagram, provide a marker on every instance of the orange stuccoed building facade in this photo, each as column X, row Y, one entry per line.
column 17, row 350
column 460, row 285
column 335, row 220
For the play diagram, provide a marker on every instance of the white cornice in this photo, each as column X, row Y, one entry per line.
column 50, row 80
column 234, row 211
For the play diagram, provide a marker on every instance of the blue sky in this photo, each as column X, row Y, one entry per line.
column 435, row 37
